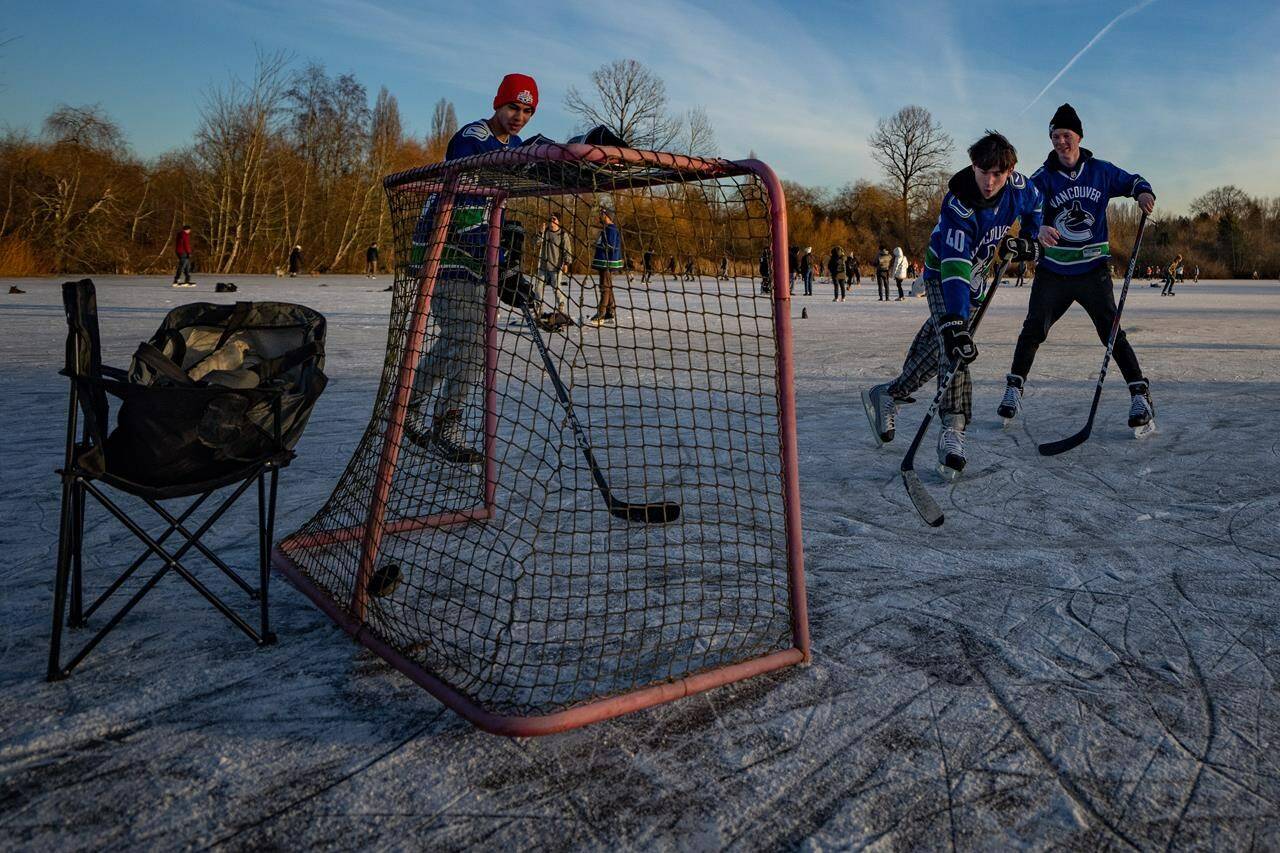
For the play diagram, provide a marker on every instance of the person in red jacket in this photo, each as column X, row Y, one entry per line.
column 182, row 246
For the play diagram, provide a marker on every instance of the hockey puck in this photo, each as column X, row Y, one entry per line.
column 384, row 581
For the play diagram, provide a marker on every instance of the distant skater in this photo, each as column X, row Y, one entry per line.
column 835, row 267
column 1169, row 275
column 182, row 248
column 899, row 269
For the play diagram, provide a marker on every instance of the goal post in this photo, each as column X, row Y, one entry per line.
column 577, row 494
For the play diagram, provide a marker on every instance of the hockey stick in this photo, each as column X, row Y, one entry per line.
column 920, row 497
column 1053, row 448
column 660, row 512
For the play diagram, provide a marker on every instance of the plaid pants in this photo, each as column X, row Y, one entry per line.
column 923, row 359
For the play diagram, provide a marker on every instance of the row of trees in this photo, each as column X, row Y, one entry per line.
column 295, row 156
column 290, row 156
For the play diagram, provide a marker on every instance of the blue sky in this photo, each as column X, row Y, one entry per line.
column 1184, row 92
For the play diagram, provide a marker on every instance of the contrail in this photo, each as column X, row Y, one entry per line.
column 1102, row 32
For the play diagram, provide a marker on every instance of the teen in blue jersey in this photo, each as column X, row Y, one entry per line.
column 1076, row 267
column 455, row 361
column 607, row 258
column 981, row 204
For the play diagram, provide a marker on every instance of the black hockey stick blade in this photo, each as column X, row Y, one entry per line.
column 923, row 501
column 1053, row 448
column 662, row 512
column 1062, row 445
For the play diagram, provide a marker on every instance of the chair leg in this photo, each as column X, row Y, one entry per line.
column 171, row 560
column 266, row 536
column 67, row 519
column 142, row 558
column 76, row 618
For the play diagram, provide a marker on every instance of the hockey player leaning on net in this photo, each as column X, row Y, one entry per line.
column 983, row 201
column 455, row 360
column 1077, row 188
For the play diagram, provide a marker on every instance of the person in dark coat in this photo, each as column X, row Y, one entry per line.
column 295, row 261
column 852, row 275
column 884, row 263
column 807, row 270
column 835, row 268
column 371, row 260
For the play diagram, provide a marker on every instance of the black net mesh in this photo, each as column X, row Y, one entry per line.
column 491, row 553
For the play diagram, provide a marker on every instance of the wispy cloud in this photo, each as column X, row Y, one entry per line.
column 1132, row 10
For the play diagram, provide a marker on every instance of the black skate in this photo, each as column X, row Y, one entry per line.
column 1142, row 412
column 444, row 439
column 1012, row 402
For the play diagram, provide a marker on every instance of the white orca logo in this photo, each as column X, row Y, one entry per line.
column 1075, row 223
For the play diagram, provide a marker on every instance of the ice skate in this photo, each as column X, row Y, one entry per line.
column 1142, row 412
column 881, row 411
column 951, row 458
column 1012, row 402
column 445, row 439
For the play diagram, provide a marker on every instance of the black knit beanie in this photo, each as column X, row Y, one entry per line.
column 1066, row 119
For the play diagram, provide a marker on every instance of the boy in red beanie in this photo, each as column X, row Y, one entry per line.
column 455, row 361
column 513, row 106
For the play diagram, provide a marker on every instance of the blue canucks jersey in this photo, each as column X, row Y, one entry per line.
column 463, row 255
column 1076, row 204
column 964, row 240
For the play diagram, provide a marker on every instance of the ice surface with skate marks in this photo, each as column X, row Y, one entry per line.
column 1083, row 656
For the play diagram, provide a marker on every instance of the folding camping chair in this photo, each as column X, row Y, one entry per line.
column 97, row 462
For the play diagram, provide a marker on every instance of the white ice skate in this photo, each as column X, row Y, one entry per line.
column 951, row 458
column 882, row 411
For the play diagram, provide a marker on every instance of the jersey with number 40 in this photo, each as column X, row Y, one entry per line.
column 969, row 227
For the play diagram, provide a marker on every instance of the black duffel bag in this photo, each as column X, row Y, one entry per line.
column 218, row 388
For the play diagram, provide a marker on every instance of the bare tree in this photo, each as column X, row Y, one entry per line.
column 444, row 120
column 88, row 127
column 1222, row 201
column 238, row 126
column 699, row 137
column 631, row 101
column 912, row 149
column 81, row 188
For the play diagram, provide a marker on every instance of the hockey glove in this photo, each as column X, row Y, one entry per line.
column 515, row 289
column 957, row 343
column 1020, row 250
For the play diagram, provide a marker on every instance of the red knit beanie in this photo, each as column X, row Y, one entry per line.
column 517, row 89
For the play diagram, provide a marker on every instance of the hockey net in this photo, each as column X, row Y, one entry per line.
column 532, row 572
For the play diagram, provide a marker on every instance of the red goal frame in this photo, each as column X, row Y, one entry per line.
column 449, row 180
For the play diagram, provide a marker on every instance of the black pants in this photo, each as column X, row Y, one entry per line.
column 1051, row 296
column 882, row 285
column 1168, row 285
column 838, row 284
column 899, row 282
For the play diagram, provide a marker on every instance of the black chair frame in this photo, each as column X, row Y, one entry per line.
column 81, row 481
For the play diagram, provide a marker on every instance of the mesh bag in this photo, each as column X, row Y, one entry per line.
column 576, row 495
